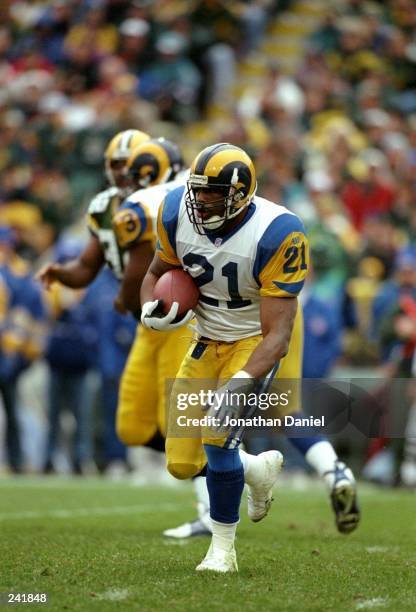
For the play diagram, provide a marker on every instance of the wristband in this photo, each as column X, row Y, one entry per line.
column 242, row 374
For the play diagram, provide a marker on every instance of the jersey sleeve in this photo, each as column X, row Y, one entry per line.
column 132, row 224
column 282, row 258
column 167, row 222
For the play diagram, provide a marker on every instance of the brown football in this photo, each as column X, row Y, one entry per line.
column 176, row 286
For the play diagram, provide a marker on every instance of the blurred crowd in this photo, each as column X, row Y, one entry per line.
column 321, row 94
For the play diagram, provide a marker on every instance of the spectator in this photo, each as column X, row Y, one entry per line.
column 369, row 191
column 71, row 353
column 397, row 332
column 21, row 336
column 116, row 335
column 172, row 80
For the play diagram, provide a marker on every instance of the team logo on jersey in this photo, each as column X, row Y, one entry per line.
column 126, row 226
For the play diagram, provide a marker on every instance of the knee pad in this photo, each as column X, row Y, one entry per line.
column 183, row 471
column 134, row 435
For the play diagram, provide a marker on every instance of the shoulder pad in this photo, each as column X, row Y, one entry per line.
column 102, row 200
column 127, row 226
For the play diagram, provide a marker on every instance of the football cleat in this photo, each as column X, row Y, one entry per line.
column 344, row 499
column 219, row 560
column 198, row 527
column 260, row 495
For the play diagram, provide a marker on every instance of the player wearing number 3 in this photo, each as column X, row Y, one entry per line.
column 249, row 258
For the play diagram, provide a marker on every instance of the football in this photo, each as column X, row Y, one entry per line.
column 176, row 286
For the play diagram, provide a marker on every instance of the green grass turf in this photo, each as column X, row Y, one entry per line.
column 93, row 545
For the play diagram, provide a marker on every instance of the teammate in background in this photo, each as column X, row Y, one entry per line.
column 249, row 258
column 123, row 236
column 102, row 247
column 154, row 357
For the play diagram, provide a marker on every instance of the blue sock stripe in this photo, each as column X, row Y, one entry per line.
column 222, row 459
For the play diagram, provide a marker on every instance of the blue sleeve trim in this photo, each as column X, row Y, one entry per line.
column 143, row 219
column 170, row 214
column 294, row 288
column 272, row 238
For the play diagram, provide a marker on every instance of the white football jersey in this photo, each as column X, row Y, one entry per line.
column 265, row 255
column 118, row 223
column 152, row 197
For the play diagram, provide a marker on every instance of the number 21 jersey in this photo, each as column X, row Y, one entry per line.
column 265, row 255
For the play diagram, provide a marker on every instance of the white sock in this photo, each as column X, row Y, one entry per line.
column 201, row 492
column 202, row 500
column 223, row 535
column 321, row 456
column 250, row 466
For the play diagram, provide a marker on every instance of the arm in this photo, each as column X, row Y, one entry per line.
column 152, row 315
column 78, row 273
column 140, row 257
column 283, row 260
column 165, row 259
column 277, row 317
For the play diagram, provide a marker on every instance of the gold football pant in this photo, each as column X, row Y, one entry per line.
column 154, row 358
column 204, row 364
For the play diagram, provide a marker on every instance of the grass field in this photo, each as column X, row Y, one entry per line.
column 92, row 545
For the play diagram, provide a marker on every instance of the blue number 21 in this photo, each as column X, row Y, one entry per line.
column 229, row 271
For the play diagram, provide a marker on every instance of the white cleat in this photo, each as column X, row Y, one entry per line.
column 199, row 527
column 260, row 495
column 219, row 560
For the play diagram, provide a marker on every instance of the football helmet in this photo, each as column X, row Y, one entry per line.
column 118, row 151
column 222, row 168
column 154, row 162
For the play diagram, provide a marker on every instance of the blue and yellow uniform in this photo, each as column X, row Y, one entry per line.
column 117, row 229
column 155, row 356
column 266, row 255
column 22, row 326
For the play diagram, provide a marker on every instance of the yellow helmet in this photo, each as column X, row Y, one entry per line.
column 119, row 149
column 222, row 168
column 154, row 162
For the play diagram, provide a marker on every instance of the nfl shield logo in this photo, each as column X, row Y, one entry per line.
column 218, row 242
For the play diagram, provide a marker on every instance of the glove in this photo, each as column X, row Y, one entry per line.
column 230, row 401
column 153, row 318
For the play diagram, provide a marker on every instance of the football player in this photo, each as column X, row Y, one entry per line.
column 249, row 258
column 123, row 238
column 154, row 358
column 102, row 247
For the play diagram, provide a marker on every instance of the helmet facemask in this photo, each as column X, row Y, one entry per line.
column 232, row 202
column 115, row 171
